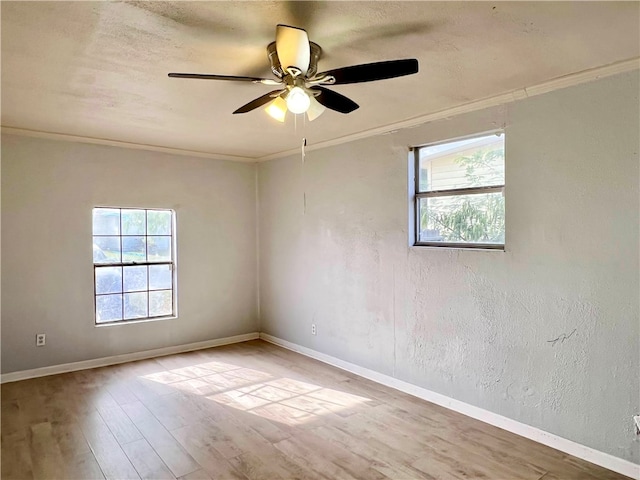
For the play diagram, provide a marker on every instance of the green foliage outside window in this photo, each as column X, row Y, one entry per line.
column 477, row 218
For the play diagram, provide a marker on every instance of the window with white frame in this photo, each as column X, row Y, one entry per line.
column 133, row 264
column 459, row 193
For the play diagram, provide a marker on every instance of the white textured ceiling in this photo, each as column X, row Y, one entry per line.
column 99, row 69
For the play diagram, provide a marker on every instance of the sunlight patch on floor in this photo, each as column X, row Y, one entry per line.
column 280, row 399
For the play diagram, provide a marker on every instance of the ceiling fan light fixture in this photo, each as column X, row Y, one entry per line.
column 294, row 62
column 277, row 109
column 298, row 101
column 315, row 109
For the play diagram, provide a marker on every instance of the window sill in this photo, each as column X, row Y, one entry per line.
column 130, row 322
column 482, row 248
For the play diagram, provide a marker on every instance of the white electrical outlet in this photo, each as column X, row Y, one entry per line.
column 313, row 329
column 41, row 340
column 636, row 420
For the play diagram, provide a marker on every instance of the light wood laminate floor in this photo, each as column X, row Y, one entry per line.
column 252, row 411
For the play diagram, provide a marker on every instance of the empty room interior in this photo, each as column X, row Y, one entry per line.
column 320, row 240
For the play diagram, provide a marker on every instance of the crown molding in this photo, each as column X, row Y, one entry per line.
column 116, row 143
column 502, row 99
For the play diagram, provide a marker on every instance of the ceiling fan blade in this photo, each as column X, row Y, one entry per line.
column 203, row 76
column 370, row 72
column 292, row 46
column 258, row 102
column 335, row 101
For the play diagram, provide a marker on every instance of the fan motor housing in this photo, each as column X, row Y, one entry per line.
column 276, row 68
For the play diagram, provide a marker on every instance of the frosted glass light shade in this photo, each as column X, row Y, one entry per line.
column 277, row 109
column 315, row 109
column 298, row 101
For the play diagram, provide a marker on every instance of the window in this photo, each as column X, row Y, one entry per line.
column 459, row 193
column 133, row 264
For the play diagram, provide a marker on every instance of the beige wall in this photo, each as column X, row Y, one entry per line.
column 477, row 326
column 48, row 191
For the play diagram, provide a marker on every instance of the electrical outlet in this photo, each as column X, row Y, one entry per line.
column 41, row 340
column 636, row 421
column 313, row 329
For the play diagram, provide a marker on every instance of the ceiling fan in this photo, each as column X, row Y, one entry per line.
column 294, row 61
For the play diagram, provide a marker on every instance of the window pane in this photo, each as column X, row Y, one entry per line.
column 108, row 280
column 133, row 222
column 135, row 279
column 131, row 238
column 133, row 249
column 466, row 163
column 160, row 303
column 159, row 249
column 106, row 221
column 462, row 218
column 135, row 305
column 159, row 277
column 106, row 249
column 108, row 308
column 158, row 222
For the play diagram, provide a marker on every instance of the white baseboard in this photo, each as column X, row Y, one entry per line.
column 589, row 454
column 126, row 357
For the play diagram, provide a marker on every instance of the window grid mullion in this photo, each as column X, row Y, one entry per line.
column 146, row 253
column 133, row 264
column 121, row 267
column 460, row 191
column 416, row 189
